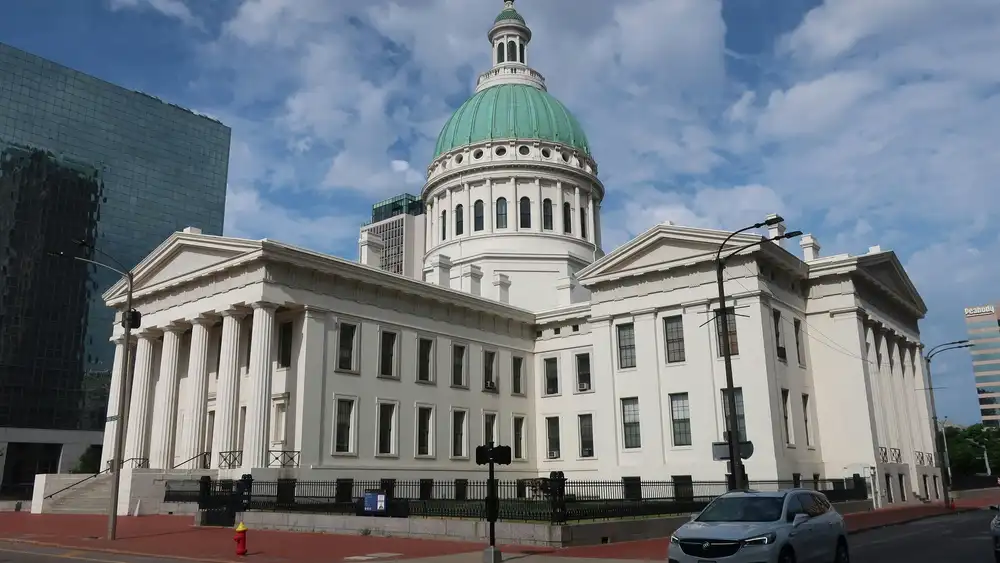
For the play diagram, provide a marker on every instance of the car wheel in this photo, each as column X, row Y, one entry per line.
column 843, row 555
column 786, row 556
column 996, row 554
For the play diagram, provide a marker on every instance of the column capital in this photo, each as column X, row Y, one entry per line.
column 204, row 319
column 120, row 338
column 177, row 327
column 235, row 311
column 150, row 333
column 313, row 312
column 264, row 305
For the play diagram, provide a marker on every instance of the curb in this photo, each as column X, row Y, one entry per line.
column 911, row 520
column 98, row 549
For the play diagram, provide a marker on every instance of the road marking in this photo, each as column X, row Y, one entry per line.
column 65, row 555
column 371, row 556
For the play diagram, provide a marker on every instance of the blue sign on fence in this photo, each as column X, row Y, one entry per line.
column 374, row 501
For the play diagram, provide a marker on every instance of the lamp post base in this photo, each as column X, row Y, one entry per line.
column 492, row 555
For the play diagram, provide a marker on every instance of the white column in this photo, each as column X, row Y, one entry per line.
column 193, row 443
column 469, row 212
column 114, row 400
column 875, row 377
column 557, row 213
column 137, row 425
column 227, row 396
column 429, row 236
column 161, row 448
column 450, row 220
column 309, row 388
column 889, row 396
column 514, row 205
column 591, row 236
column 538, row 206
column 597, row 224
column 578, row 226
column 490, row 208
column 256, row 437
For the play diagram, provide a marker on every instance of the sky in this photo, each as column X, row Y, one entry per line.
column 862, row 122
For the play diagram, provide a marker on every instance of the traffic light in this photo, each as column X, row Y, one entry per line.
column 134, row 318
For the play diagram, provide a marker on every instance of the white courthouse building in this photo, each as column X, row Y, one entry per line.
column 270, row 359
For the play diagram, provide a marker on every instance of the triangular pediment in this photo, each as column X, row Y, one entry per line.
column 890, row 274
column 181, row 256
column 660, row 248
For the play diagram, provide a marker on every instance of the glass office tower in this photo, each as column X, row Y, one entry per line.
column 82, row 160
column 983, row 325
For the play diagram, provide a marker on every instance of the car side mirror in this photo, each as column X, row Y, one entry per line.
column 799, row 519
column 693, row 516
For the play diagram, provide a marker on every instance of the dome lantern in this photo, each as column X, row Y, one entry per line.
column 509, row 38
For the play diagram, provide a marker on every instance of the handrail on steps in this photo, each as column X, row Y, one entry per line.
column 81, row 481
column 89, row 477
column 186, row 461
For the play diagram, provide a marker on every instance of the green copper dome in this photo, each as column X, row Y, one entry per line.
column 511, row 111
column 509, row 14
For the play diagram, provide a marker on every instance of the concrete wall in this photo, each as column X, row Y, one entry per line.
column 510, row 533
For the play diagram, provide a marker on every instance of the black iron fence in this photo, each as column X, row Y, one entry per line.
column 538, row 500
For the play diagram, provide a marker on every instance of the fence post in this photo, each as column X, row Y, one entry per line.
column 557, row 488
column 204, row 491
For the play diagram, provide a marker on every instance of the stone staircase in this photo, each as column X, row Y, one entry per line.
column 89, row 497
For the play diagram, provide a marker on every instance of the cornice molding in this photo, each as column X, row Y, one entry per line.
column 512, row 168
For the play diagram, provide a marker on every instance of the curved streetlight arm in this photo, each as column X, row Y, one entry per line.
column 125, row 275
column 722, row 259
column 718, row 254
column 944, row 348
column 83, row 243
column 935, row 349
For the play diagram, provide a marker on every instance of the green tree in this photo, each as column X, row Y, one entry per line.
column 965, row 449
column 89, row 462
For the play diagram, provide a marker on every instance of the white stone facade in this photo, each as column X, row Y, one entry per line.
column 282, row 361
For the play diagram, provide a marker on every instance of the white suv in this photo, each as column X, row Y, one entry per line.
column 793, row 526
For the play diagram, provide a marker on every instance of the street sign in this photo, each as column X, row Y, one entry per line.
column 720, row 450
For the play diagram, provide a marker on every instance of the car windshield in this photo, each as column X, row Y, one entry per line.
column 742, row 509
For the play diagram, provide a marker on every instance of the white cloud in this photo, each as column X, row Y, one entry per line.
column 176, row 9
column 250, row 215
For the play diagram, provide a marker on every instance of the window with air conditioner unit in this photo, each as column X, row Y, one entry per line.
column 583, row 372
column 552, row 436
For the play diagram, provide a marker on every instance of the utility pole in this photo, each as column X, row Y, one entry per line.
column 131, row 319
column 733, row 435
column 943, row 463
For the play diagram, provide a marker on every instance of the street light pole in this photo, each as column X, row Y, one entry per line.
column 942, row 462
column 732, row 436
column 124, row 386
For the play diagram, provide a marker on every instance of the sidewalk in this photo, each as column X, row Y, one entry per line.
column 174, row 536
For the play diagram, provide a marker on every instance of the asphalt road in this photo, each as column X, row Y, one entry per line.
column 960, row 538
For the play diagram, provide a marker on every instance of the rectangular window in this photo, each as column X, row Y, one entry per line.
column 285, row 344
column 386, row 429
column 784, row 415
column 673, row 331
column 586, row 423
column 344, row 430
column 630, row 423
column 626, row 346
column 387, row 354
column 800, row 353
column 425, row 359
column 280, row 413
column 425, row 425
column 458, row 420
column 551, row 376
column 552, row 437
column 519, row 448
column 516, row 375
column 346, row 347
column 680, row 419
column 583, row 372
column 779, row 335
column 489, row 370
column 805, row 416
column 458, row 365
column 734, row 346
column 490, row 428
column 741, row 422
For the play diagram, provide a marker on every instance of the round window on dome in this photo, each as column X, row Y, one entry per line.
column 501, row 151
column 478, row 154
column 524, row 150
column 565, row 157
column 546, row 153
column 458, row 159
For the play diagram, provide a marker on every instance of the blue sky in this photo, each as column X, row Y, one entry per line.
column 863, row 122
